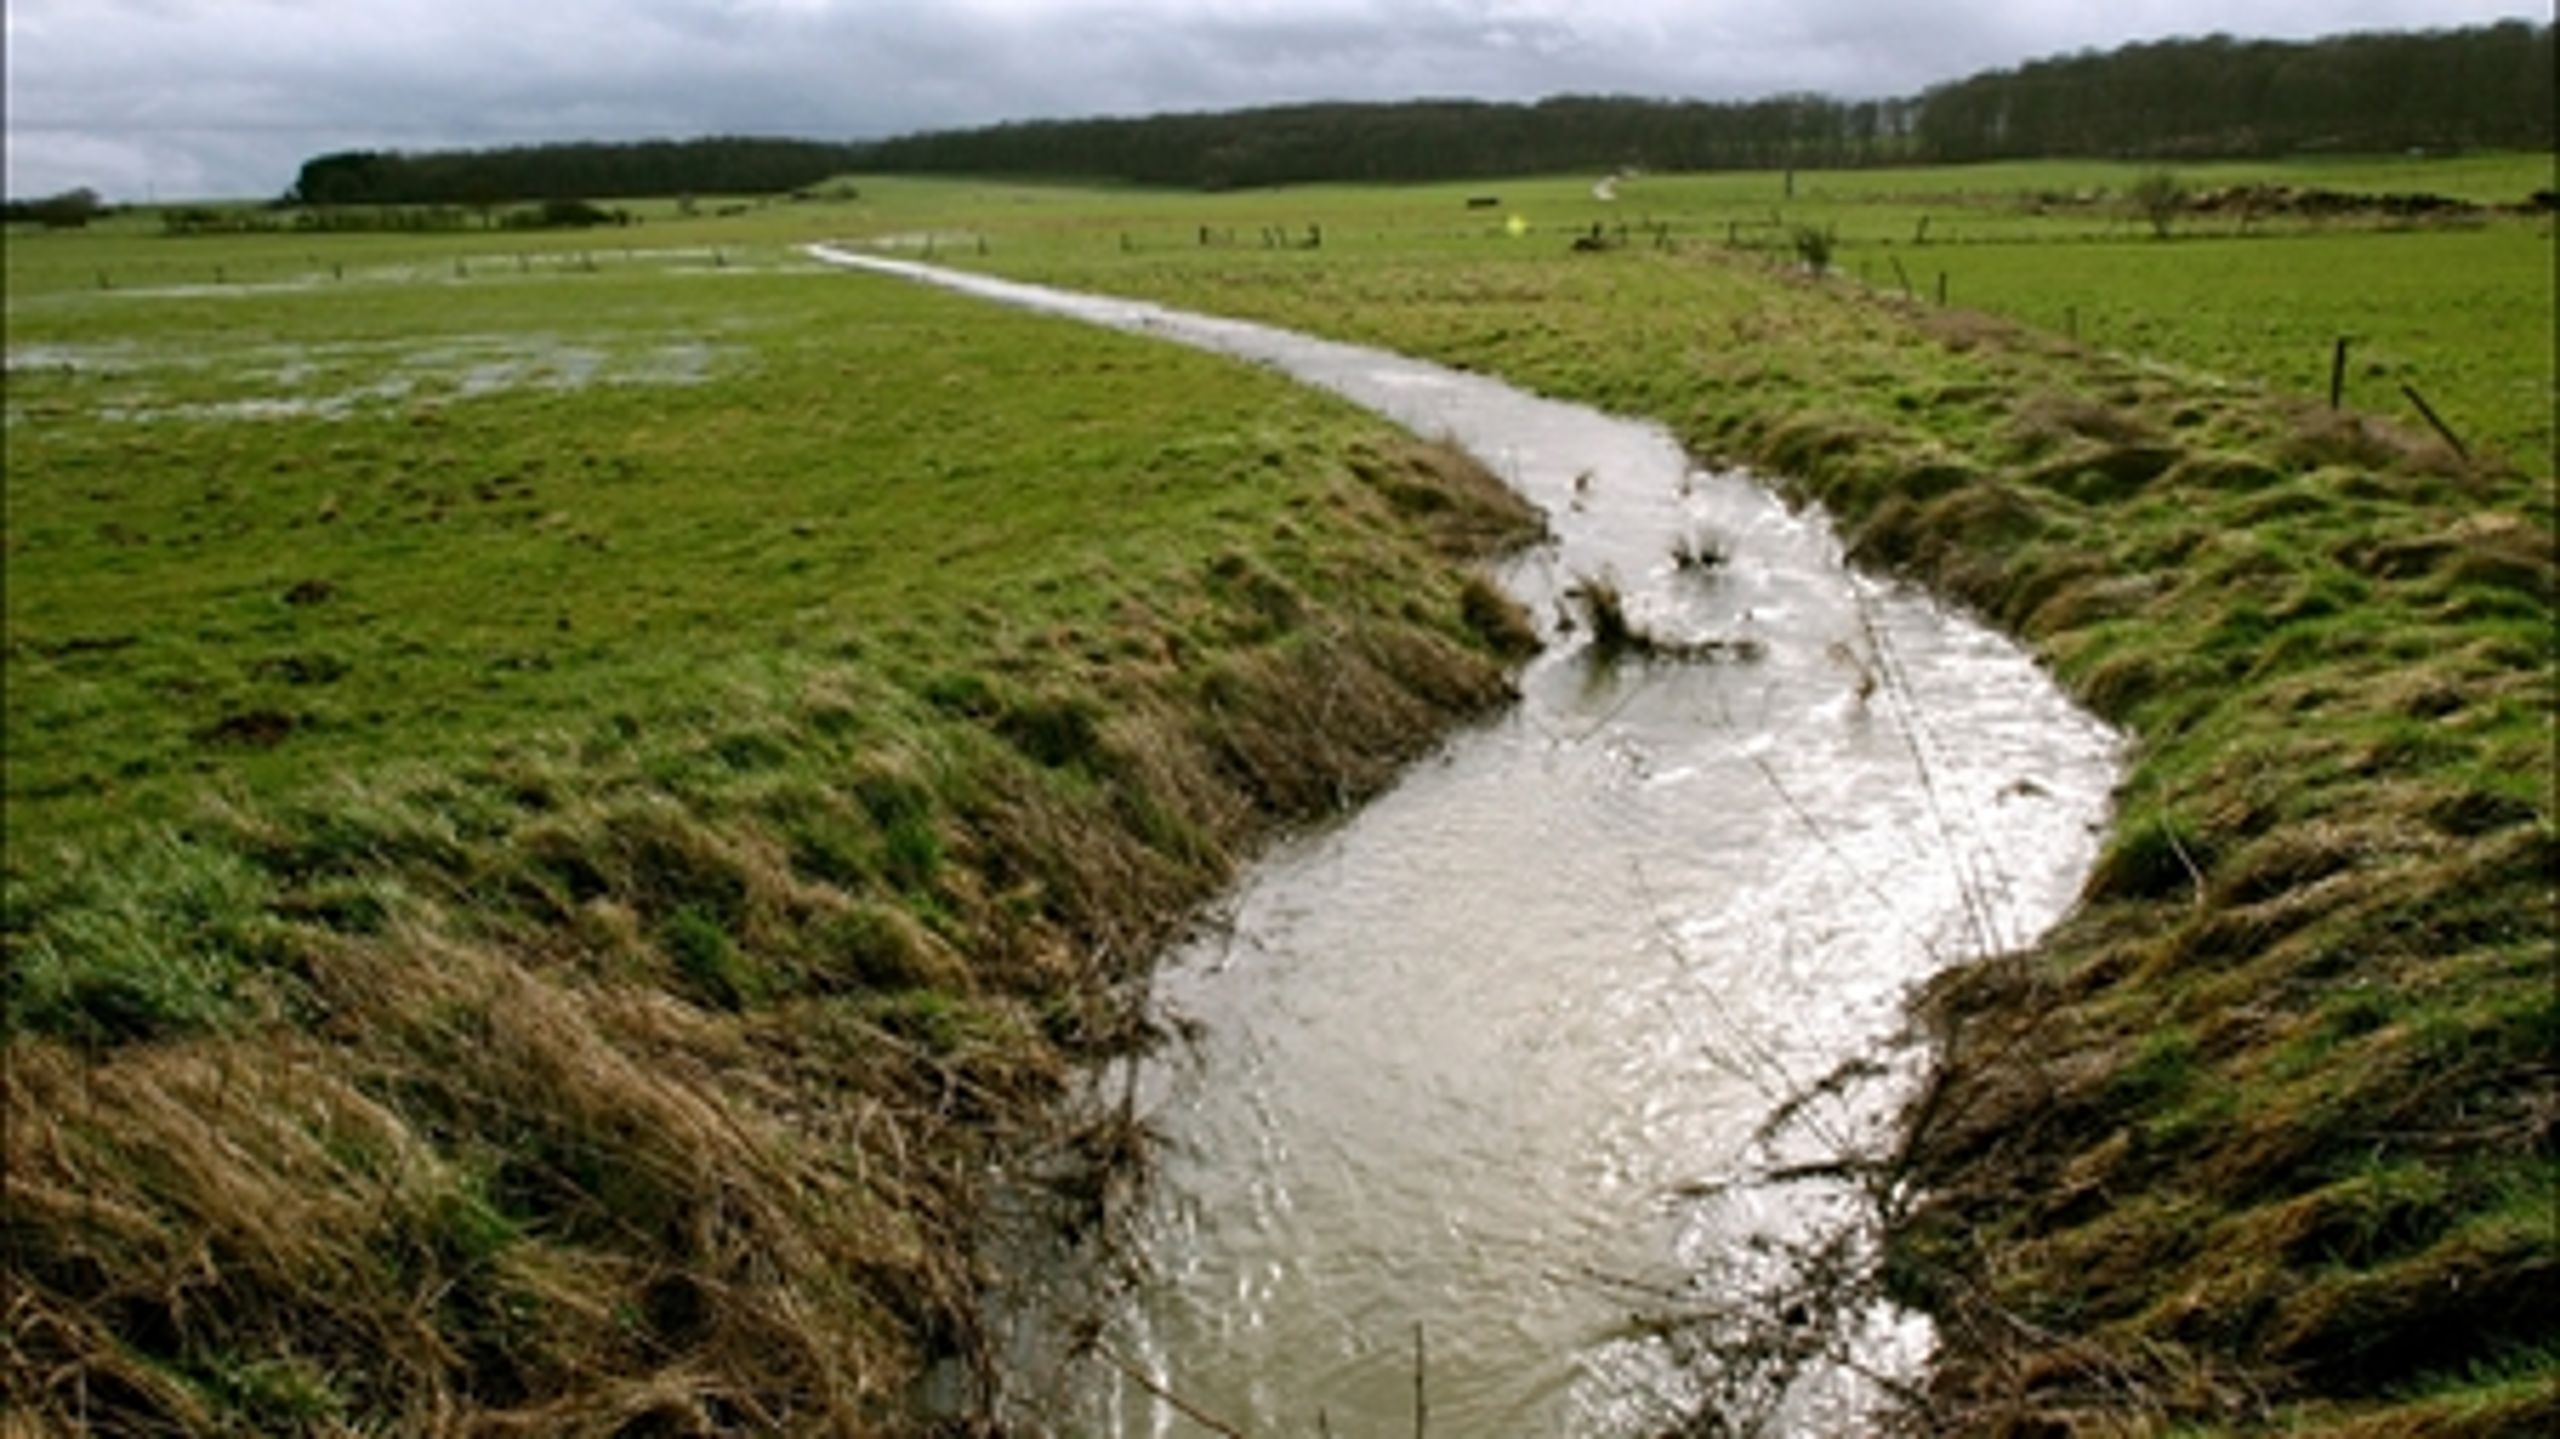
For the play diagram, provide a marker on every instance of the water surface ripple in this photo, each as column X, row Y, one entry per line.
column 1488, row 1056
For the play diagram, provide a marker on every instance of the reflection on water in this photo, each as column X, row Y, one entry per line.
column 1494, row 1056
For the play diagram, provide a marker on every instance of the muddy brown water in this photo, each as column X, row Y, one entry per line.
column 1494, row 1056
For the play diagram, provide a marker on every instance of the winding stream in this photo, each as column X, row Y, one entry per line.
column 1492, row 1057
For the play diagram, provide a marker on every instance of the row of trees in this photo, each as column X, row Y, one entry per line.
column 2477, row 87
column 2489, row 86
column 483, row 179
column 386, row 219
column 1418, row 140
column 70, row 210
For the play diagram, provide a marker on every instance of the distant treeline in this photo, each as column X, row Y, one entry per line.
column 69, row 210
column 383, row 219
column 2486, row 86
column 1416, row 140
column 485, row 178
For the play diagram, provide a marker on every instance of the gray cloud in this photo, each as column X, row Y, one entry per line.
column 188, row 98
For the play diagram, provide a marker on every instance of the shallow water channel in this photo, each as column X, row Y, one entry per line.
column 1490, row 1060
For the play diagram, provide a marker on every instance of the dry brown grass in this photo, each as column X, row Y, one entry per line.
column 517, row 1201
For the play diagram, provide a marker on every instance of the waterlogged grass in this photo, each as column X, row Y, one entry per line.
column 2260, row 1140
column 562, row 816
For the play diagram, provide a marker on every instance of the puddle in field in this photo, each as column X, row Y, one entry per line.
column 220, row 289
column 135, row 383
column 103, row 359
column 312, row 277
column 926, row 242
column 1492, row 1056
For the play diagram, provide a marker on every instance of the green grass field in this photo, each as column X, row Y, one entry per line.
column 263, row 535
column 2460, row 309
column 568, row 795
column 561, row 815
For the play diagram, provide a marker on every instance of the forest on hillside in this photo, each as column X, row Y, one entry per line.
column 2215, row 97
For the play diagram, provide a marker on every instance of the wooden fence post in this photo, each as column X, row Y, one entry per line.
column 2436, row 420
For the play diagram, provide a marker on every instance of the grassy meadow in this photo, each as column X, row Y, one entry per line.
column 260, row 535
column 564, row 808
column 567, row 794
column 2460, row 308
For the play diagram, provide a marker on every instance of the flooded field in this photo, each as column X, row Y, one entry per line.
column 133, row 381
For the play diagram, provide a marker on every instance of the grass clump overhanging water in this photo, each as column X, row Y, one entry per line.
column 563, row 817
column 2261, row 1139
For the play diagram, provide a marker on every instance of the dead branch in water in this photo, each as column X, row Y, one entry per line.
column 1979, row 881
column 1702, row 552
column 1421, row 1396
column 1143, row 1380
column 1616, row 635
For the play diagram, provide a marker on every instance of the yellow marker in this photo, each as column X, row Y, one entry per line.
column 1517, row 226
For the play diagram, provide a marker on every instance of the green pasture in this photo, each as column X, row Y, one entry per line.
column 381, row 498
column 569, row 798
column 2464, row 317
column 2459, row 309
column 799, row 695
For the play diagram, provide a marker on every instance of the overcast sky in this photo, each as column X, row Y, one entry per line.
column 175, row 99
